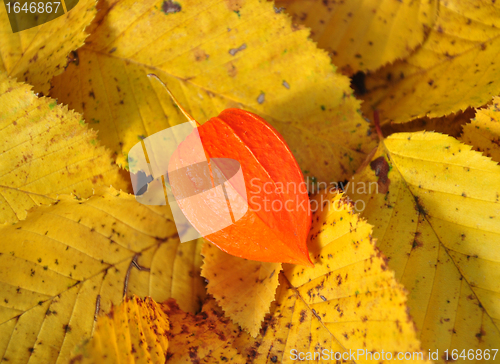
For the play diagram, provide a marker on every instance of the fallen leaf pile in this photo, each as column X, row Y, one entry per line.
column 392, row 112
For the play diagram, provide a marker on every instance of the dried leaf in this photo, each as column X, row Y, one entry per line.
column 438, row 224
column 214, row 55
column 243, row 288
column 36, row 55
column 455, row 68
column 204, row 338
column 134, row 332
column 364, row 35
column 451, row 124
column 483, row 132
column 71, row 260
column 46, row 150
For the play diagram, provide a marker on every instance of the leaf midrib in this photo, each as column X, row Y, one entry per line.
column 440, row 241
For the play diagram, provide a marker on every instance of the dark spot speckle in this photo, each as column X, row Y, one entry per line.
column 171, row 7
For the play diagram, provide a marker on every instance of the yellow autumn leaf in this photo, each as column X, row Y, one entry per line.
column 134, row 332
column 205, row 338
column 214, row 55
column 364, row 35
column 36, row 55
column 175, row 270
column 46, row 150
column 483, row 132
column 435, row 205
column 243, row 288
column 69, row 261
column 456, row 67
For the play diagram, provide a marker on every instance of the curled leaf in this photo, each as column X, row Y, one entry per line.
column 483, row 132
column 450, row 124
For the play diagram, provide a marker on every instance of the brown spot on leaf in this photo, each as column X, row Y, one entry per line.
column 419, row 207
column 193, row 354
column 480, row 334
column 302, row 316
column 233, row 51
column 234, row 5
column 76, row 359
column 261, row 98
column 200, row 55
column 417, row 244
column 381, row 168
column 232, row 71
column 358, row 83
column 170, row 7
